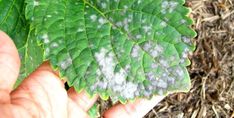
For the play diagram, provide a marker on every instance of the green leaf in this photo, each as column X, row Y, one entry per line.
column 94, row 111
column 118, row 48
column 31, row 57
column 12, row 21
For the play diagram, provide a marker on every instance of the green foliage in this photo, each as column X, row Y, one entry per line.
column 118, row 48
column 94, row 111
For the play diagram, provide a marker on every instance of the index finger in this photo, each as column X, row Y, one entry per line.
column 136, row 109
column 9, row 63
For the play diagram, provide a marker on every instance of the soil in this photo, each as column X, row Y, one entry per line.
column 212, row 68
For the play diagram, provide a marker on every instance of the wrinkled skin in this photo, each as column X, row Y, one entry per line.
column 42, row 94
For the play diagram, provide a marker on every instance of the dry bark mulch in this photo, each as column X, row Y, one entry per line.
column 212, row 68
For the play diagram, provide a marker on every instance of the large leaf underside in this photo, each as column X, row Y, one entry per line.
column 12, row 20
column 119, row 48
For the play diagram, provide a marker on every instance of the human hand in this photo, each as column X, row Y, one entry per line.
column 42, row 94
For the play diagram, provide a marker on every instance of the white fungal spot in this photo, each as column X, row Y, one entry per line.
column 135, row 51
column 168, row 6
column 80, row 30
column 102, row 21
column 49, row 16
column 179, row 72
column 103, row 5
column 129, row 90
column 147, row 28
column 117, row 80
column 35, row 3
column 156, row 51
column 127, row 68
column 139, row 1
column 182, row 21
column 160, row 92
column 171, row 80
column 119, row 24
column 144, row 20
column 47, row 51
column 163, row 24
column 138, row 36
column 151, row 76
column 147, row 46
column 45, row 38
column 107, row 63
column 162, row 84
column 125, row 7
column 186, row 39
column 153, row 65
column 164, row 63
column 54, row 45
column 66, row 63
column 98, row 72
column 93, row 17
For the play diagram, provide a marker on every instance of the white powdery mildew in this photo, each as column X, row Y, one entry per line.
column 184, row 55
column 54, row 45
column 138, row 36
column 153, row 49
column 47, row 51
column 102, row 20
column 179, row 72
column 183, row 21
column 139, row 1
column 45, row 38
column 147, row 46
column 135, row 51
column 49, row 16
column 103, row 5
column 168, row 6
column 154, row 66
column 119, row 24
column 164, row 62
column 80, row 30
column 93, row 17
column 163, row 24
column 147, row 28
column 186, row 39
column 162, row 84
column 125, row 7
column 124, row 23
column 116, row 81
column 129, row 90
column 35, row 3
column 66, row 63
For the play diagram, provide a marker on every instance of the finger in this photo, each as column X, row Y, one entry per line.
column 46, row 91
column 74, row 110
column 82, row 99
column 133, row 110
column 9, row 63
column 56, row 72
